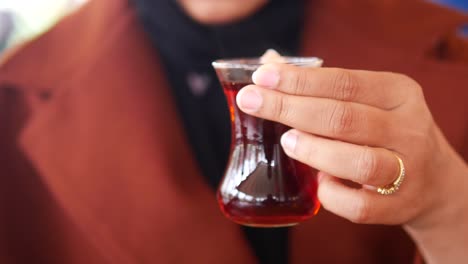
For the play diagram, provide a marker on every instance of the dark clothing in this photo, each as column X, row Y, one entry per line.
column 187, row 49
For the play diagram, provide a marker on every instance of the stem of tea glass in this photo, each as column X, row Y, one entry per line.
column 262, row 186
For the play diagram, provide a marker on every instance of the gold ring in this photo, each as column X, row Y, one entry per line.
column 395, row 185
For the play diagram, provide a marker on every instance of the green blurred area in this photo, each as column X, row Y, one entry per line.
column 21, row 20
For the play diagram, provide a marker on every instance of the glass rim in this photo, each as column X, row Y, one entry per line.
column 253, row 63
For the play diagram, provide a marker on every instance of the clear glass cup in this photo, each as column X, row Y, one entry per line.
column 262, row 186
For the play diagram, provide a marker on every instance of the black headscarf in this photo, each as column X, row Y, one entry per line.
column 187, row 49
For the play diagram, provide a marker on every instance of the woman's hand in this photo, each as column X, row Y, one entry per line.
column 350, row 125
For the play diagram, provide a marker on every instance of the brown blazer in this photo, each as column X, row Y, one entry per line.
column 95, row 168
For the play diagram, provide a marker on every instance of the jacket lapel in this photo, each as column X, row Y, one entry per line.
column 109, row 146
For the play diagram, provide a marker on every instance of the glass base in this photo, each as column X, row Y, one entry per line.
column 267, row 225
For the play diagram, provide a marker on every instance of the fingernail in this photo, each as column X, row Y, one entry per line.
column 249, row 100
column 266, row 76
column 289, row 140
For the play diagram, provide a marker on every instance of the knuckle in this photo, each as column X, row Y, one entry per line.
column 341, row 119
column 400, row 77
column 368, row 167
column 281, row 109
column 407, row 83
column 362, row 211
column 300, row 81
column 344, row 85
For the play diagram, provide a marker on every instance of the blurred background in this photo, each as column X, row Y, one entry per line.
column 23, row 19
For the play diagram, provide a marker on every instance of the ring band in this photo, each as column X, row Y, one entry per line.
column 395, row 185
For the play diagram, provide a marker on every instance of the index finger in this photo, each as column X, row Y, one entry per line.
column 379, row 89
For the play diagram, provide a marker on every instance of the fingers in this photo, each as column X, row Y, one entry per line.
column 357, row 205
column 360, row 164
column 376, row 89
column 345, row 121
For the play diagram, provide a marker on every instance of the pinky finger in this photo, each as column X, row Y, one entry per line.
column 362, row 206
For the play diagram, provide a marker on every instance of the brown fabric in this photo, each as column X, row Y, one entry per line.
column 95, row 168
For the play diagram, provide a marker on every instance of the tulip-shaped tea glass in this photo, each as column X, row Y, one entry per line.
column 262, row 186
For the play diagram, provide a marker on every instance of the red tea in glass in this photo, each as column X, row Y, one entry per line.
column 262, row 186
